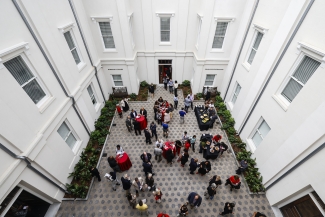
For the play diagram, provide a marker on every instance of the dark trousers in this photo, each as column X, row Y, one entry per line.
column 165, row 86
column 170, row 89
column 154, row 132
column 175, row 91
column 192, row 105
column 159, row 121
column 137, row 131
column 155, row 116
column 193, row 146
column 186, row 108
column 148, row 140
column 175, row 104
column 98, row 177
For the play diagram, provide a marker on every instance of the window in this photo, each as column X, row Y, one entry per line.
column 117, row 80
column 198, row 30
column 107, row 35
column 236, row 93
column 219, row 35
column 255, row 45
column 25, row 78
column 131, row 30
column 91, row 94
column 67, row 135
column 209, row 80
column 260, row 133
column 299, row 78
column 72, row 47
column 165, row 29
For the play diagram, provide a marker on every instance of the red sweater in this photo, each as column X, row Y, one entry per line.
column 161, row 214
column 119, row 110
column 233, row 180
column 217, row 138
column 187, row 145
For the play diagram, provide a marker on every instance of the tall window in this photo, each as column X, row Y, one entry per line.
column 219, row 35
column 72, row 47
column 198, row 31
column 19, row 70
column 299, row 78
column 117, row 80
column 260, row 133
column 67, row 135
column 165, row 29
column 105, row 29
column 236, row 93
column 254, row 47
column 91, row 94
column 209, row 80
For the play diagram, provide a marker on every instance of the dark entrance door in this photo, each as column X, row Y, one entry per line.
column 164, row 68
column 303, row 207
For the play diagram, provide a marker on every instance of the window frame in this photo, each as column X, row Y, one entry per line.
column 117, row 80
column 234, row 93
column 71, row 131
column 250, row 141
column 97, row 104
column 214, row 78
column 252, row 48
column 97, row 20
column 169, row 15
column 228, row 20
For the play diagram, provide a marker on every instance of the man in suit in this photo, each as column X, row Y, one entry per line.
column 126, row 184
column 145, row 157
column 136, row 126
column 194, row 200
column 143, row 112
column 133, row 114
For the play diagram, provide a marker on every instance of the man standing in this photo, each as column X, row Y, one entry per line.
column 94, row 172
column 182, row 114
column 147, row 168
column 165, row 129
column 152, row 90
column 193, row 165
column 113, row 178
column 145, row 157
column 175, row 102
column 143, row 112
column 133, row 114
column 148, row 136
column 165, row 81
column 126, row 184
column 128, row 124
column 158, row 152
column 170, row 86
column 194, row 199
column 192, row 99
column 137, row 128
column 187, row 103
column 143, row 208
column 153, row 128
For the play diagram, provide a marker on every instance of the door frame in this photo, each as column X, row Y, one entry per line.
column 173, row 59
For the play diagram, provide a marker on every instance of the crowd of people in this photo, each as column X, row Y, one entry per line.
column 179, row 149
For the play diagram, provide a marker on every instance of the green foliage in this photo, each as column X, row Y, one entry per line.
column 241, row 145
column 219, row 99
column 83, row 156
column 244, row 155
column 95, row 135
column 221, row 106
column 231, row 130
column 101, row 141
column 88, row 149
column 144, row 84
column 77, row 190
column 233, row 139
column 133, row 96
column 231, row 121
column 143, row 95
column 186, row 83
column 226, row 114
column 199, row 95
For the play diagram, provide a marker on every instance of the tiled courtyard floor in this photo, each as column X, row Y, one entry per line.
column 175, row 182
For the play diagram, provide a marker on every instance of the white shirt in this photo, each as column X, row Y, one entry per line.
column 120, row 151
column 161, row 144
column 175, row 85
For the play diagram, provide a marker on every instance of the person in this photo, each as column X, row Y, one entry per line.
column 202, row 170
column 212, row 112
column 184, row 137
column 113, row 164
column 183, row 210
column 216, row 138
column 159, row 117
column 192, row 99
column 175, row 88
column 153, row 129
column 170, row 110
column 167, row 117
column 187, row 144
column 216, row 180
column 160, row 142
column 178, row 145
column 155, row 111
column 203, row 145
column 192, row 141
column 137, row 128
column 163, row 215
column 152, row 90
column 187, row 103
column 94, row 172
column 145, row 157
column 258, row 214
column 211, row 191
column 158, row 194
column 132, row 200
column 143, row 208
column 21, row 211
column 161, row 100
column 169, row 157
column 133, row 114
column 213, row 120
column 228, row 209
column 143, row 112
column 139, row 185
column 193, row 165
column 165, row 81
column 147, row 168
column 148, row 136
column 243, row 166
column 223, row 147
column 126, row 183
column 113, row 178
column 150, row 182
column 234, row 182
column 184, row 159
column 208, row 95
column 194, row 200
column 182, row 113
column 119, row 110
column 158, row 152
column 125, row 105
column 128, row 123
column 175, row 102
column 170, row 86
column 165, row 129
column 119, row 150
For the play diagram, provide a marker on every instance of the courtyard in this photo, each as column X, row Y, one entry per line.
column 174, row 181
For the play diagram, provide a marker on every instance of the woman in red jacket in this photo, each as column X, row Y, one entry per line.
column 234, row 182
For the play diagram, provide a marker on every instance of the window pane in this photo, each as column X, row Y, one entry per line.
column 234, row 98
column 118, row 83
column 251, row 56
column 90, row 91
column 117, row 77
column 264, row 129
column 291, row 90
column 258, row 40
column 257, row 139
column 306, row 69
column 105, row 28
column 19, row 70
column 71, row 141
column 210, row 77
column 165, row 23
column 69, row 40
column 75, row 56
column 109, row 42
column 238, row 88
column 34, row 91
column 219, row 34
column 63, row 130
column 165, row 36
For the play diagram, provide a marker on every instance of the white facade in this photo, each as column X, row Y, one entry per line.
column 29, row 129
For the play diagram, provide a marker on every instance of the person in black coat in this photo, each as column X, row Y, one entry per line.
column 150, row 182
column 113, row 164
column 94, row 172
column 216, row 180
column 222, row 147
column 126, row 184
column 133, row 114
column 184, row 159
column 169, row 157
column 148, row 136
column 143, row 112
column 193, row 165
column 136, row 126
column 147, row 168
column 202, row 170
column 145, row 157
column 243, row 166
column 207, row 166
column 228, row 209
column 194, row 199
column 152, row 90
column 212, row 190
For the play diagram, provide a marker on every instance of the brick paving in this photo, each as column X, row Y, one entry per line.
column 175, row 182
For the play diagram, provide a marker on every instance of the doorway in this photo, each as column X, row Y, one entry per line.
column 303, row 207
column 164, row 69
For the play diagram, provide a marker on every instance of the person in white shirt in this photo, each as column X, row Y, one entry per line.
column 160, row 142
column 175, row 101
column 175, row 88
column 192, row 99
column 119, row 150
column 184, row 137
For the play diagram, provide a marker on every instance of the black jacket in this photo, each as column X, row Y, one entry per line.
column 132, row 116
column 113, row 174
column 213, row 180
column 112, row 162
column 143, row 158
column 150, row 182
column 94, row 172
column 184, row 159
column 211, row 192
column 147, row 134
column 147, row 167
column 151, row 89
column 126, row 183
column 193, row 165
column 143, row 112
column 136, row 125
column 169, row 155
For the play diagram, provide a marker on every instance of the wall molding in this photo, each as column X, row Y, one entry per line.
column 66, row 27
column 20, row 48
column 97, row 19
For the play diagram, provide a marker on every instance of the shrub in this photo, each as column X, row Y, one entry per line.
column 101, row 141
column 244, row 155
column 133, row 96
column 144, row 84
column 77, row 190
column 219, row 99
column 199, row 95
column 186, row 83
column 231, row 131
column 221, row 106
column 95, row 135
column 233, row 139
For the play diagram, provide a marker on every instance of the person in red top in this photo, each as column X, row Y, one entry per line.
column 234, row 182
column 187, row 144
column 216, row 138
column 162, row 215
column 119, row 110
